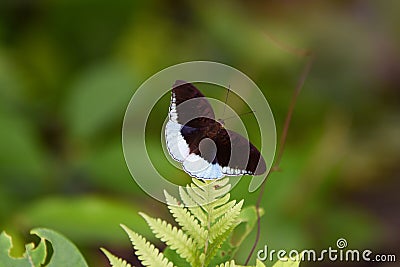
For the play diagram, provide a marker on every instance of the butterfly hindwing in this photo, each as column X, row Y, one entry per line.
column 176, row 144
column 237, row 155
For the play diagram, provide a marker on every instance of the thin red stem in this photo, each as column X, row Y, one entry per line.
column 282, row 139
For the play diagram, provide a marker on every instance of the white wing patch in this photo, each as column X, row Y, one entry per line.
column 200, row 168
column 194, row 164
column 234, row 171
column 173, row 113
column 176, row 144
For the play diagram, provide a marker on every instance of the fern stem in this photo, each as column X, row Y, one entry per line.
column 209, row 216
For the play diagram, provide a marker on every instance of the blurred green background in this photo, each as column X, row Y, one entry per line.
column 69, row 68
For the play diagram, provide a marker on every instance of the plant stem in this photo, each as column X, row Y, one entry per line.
column 209, row 209
column 283, row 136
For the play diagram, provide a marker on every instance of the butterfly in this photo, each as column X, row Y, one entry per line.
column 206, row 149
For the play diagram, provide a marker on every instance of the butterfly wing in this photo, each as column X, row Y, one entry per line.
column 192, row 147
column 189, row 106
column 237, row 156
column 226, row 153
column 189, row 110
column 201, row 161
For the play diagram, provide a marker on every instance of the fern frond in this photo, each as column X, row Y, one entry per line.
column 201, row 193
column 220, row 190
column 114, row 260
column 187, row 221
column 228, row 264
column 192, row 206
column 218, row 212
column 198, row 199
column 225, row 222
column 210, row 208
column 175, row 238
column 213, row 248
column 147, row 253
column 259, row 263
column 206, row 191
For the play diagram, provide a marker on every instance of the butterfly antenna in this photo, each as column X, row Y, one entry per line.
column 226, row 99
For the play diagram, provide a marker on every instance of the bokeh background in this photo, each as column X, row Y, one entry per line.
column 69, row 68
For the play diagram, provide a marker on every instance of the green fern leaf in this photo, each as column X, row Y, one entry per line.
column 218, row 212
column 201, row 193
column 225, row 222
column 115, row 261
column 187, row 221
column 174, row 238
column 259, row 263
column 213, row 248
column 212, row 207
column 209, row 191
column 194, row 195
column 147, row 253
column 228, row 264
column 193, row 206
column 220, row 190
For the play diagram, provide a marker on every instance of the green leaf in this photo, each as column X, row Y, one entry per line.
column 37, row 255
column 216, row 245
column 147, row 252
column 248, row 219
column 173, row 256
column 115, row 261
column 187, row 221
column 64, row 252
column 259, row 263
column 228, row 264
column 19, row 140
column 224, row 223
column 7, row 260
column 175, row 238
column 192, row 206
column 98, row 99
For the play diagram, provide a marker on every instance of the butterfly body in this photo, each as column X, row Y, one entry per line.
column 205, row 147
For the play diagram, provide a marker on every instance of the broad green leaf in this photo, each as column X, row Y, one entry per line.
column 65, row 253
column 7, row 260
column 98, row 99
column 22, row 154
column 37, row 255
column 107, row 167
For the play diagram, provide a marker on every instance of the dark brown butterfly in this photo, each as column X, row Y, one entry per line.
column 205, row 147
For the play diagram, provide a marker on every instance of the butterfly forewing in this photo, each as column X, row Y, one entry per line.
column 189, row 106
